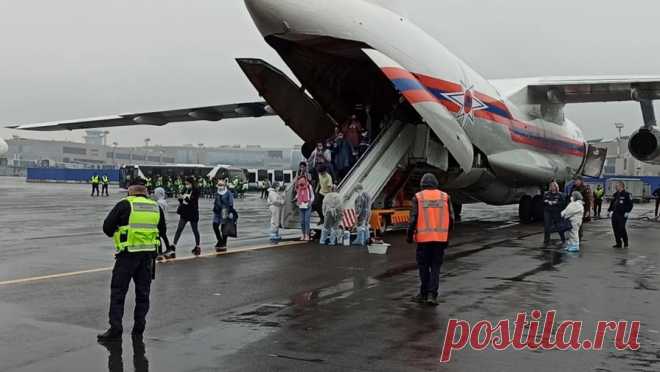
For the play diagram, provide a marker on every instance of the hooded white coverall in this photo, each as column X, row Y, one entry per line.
column 275, row 204
column 333, row 211
column 573, row 212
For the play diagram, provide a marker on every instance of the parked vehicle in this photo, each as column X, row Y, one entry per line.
column 639, row 190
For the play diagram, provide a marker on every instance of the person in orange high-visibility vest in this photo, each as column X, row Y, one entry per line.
column 431, row 220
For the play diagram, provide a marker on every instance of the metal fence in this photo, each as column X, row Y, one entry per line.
column 65, row 175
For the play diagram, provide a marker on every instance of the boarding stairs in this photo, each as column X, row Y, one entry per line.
column 377, row 166
column 400, row 148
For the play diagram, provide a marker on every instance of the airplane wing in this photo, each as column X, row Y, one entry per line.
column 583, row 89
column 157, row 118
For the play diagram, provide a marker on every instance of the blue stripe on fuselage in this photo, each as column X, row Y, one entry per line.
column 498, row 111
column 404, row 85
column 549, row 141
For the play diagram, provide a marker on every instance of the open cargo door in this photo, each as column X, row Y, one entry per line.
column 290, row 102
column 434, row 114
column 594, row 161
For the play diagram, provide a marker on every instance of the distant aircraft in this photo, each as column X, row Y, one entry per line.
column 497, row 141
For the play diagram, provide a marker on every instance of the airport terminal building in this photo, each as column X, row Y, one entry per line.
column 24, row 153
column 620, row 161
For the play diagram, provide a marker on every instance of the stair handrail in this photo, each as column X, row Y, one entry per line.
column 367, row 153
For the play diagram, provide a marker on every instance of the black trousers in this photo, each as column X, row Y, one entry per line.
column 429, row 260
column 598, row 207
column 104, row 189
column 136, row 267
column 222, row 240
column 619, row 226
column 165, row 244
column 95, row 187
column 317, row 207
column 657, row 205
column 181, row 226
column 550, row 222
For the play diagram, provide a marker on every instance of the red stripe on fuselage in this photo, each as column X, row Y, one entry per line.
column 423, row 95
column 419, row 95
column 492, row 102
column 394, row 73
column 445, row 86
column 546, row 146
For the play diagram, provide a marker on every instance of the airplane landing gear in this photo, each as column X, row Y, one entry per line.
column 530, row 209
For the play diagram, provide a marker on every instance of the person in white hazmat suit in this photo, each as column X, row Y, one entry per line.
column 574, row 212
column 161, row 198
column 363, row 214
column 275, row 204
column 333, row 211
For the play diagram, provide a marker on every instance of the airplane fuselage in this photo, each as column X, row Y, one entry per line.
column 522, row 148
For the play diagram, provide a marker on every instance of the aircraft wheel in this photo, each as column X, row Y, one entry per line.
column 537, row 207
column 525, row 210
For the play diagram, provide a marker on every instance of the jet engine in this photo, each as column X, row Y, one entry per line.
column 644, row 145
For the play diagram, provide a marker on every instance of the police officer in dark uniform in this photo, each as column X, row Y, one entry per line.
column 135, row 224
column 431, row 219
column 619, row 210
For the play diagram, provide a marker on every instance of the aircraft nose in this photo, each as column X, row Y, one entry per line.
column 268, row 15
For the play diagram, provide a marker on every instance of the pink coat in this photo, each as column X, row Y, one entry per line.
column 304, row 192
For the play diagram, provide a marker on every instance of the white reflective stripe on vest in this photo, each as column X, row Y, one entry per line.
column 437, row 204
column 143, row 226
column 144, row 207
column 140, row 248
column 433, row 203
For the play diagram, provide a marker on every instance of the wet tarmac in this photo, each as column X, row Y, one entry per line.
column 307, row 307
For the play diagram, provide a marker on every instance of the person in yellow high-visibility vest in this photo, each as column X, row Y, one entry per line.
column 95, row 181
column 431, row 220
column 135, row 224
column 105, row 183
column 599, row 194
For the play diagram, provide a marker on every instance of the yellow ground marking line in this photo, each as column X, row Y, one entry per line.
column 91, row 271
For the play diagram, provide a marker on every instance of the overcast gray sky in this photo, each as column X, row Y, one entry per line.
column 68, row 59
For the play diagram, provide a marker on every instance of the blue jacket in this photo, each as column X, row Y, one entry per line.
column 554, row 203
column 343, row 155
column 223, row 207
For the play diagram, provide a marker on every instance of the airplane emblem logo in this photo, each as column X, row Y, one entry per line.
column 468, row 104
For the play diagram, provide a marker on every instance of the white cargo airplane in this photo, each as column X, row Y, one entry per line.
column 496, row 141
